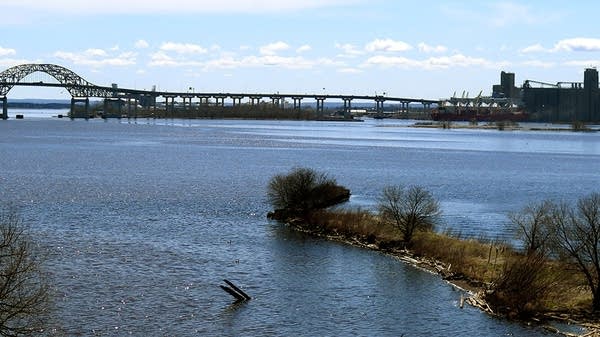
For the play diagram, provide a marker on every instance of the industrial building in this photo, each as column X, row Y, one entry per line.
column 561, row 102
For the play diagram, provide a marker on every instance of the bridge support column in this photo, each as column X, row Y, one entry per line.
column 255, row 100
column 135, row 107
column 379, row 106
column 4, row 108
column 347, row 108
column 203, row 104
column 275, row 101
column 320, row 106
column 111, row 107
column 86, row 112
column 220, row 100
column 427, row 108
column 237, row 100
column 297, row 103
column 105, row 108
column 169, row 106
column 128, row 107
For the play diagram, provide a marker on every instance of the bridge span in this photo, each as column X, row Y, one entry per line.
column 81, row 91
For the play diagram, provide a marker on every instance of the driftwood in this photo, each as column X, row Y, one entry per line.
column 478, row 302
column 234, row 291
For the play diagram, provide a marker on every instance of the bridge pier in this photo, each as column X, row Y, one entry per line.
column 276, row 101
column 135, row 107
column 255, row 100
column 4, row 108
column 297, row 103
column 237, row 100
column 86, row 111
column 220, row 100
column 188, row 105
column 128, row 107
column 320, row 106
column 379, row 106
column 135, row 104
column 108, row 107
column 347, row 107
column 427, row 108
column 169, row 108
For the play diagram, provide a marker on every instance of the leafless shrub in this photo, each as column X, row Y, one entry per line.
column 409, row 209
column 24, row 294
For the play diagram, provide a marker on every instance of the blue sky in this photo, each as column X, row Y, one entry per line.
column 427, row 49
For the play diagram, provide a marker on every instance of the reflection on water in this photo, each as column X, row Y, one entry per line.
column 143, row 219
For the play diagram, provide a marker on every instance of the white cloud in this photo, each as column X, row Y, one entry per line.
column 97, row 58
column 304, row 49
column 9, row 62
column 274, row 48
column 7, row 51
column 387, row 45
column 443, row 62
column 349, row 50
column 535, row 48
column 161, row 7
column 425, row 48
column 582, row 63
column 539, row 64
column 578, row 44
column 141, row 44
column 93, row 52
column 161, row 59
column 183, row 48
column 392, row 61
column 504, row 14
column 507, row 13
column 349, row 71
column 457, row 60
column 230, row 61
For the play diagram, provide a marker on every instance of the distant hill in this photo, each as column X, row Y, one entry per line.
column 32, row 103
column 39, row 101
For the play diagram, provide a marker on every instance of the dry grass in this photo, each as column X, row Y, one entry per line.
column 486, row 263
column 352, row 223
column 472, row 258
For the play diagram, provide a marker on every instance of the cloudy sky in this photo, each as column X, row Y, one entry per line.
column 426, row 49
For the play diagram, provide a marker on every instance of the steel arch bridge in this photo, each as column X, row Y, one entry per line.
column 75, row 84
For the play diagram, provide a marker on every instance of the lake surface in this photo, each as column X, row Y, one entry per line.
column 143, row 219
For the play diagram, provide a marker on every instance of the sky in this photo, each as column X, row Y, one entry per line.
column 419, row 49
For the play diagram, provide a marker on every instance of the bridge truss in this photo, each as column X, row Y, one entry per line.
column 75, row 84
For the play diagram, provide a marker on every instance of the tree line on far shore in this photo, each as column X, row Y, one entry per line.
column 557, row 268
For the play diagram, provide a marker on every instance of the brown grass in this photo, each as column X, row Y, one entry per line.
column 472, row 258
column 488, row 264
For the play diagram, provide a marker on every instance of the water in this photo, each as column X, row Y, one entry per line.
column 143, row 219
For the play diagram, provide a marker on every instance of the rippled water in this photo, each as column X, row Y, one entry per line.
column 143, row 219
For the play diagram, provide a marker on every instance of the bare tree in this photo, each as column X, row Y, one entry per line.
column 410, row 210
column 532, row 224
column 23, row 289
column 576, row 236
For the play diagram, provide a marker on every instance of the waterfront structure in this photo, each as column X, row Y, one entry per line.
column 565, row 102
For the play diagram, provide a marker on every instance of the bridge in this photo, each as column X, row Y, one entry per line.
column 81, row 91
